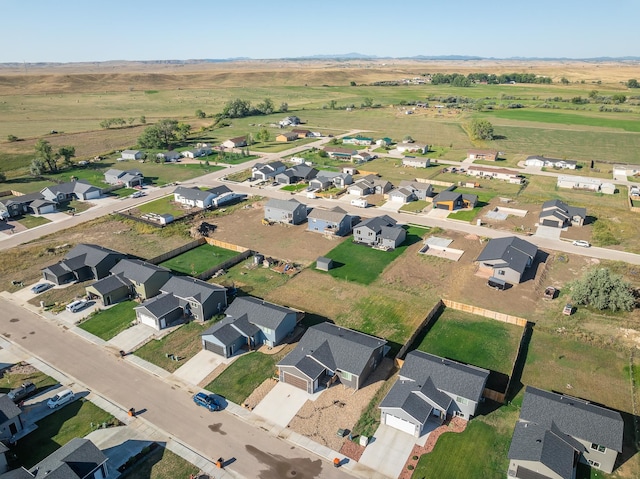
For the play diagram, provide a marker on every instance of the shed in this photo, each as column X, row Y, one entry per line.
column 324, row 264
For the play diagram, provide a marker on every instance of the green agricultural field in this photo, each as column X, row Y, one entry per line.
column 472, row 339
column 108, row 323
column 565, row 118
column 199, row 259
column 359, row 263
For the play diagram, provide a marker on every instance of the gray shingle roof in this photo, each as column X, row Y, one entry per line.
column 514, row 251
column 93, row 254
column 219, row 190
column 285, row 205
column 110, row 283
column 78, row 458
column 21, row 473
column 376, row 223
column 391, row 232
column 310, row 367
column 223, row 331
column 79, row 186
column 573, row 416
column 137, row 270
column 554, row 449
column 160, row 305
column 187, row 287
column 335, row 215
column 8, row 410
column 447, row 196
column 335, row 347
column 193, row 194
column 555, row 205
column 258, row 311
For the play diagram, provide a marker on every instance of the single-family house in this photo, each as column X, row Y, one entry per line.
column 497, row 173
column 556, row 431
column 193, row 153
column 287, row 136
column 285, row 211
column 132, row 155
column 40, row 206
column 193, row 197
column 558, row 214
column 83, row 262
column 625, row 170
column 250, row 322
column 335, row 221
column 338, row 153
column 328, row 353
column 507, row 258
column 413, row 162
column 198, row 299
column 328, row 179
column 401, row 195
column 10, row 420
column 483, row 155
column 420, row 190
column 170, row 156
column 146, row 278
column 369, row 185
column 432, row 388
column 128, row 178
column 579, row 183
column 265, row 171
column 384, row 142
column 25, row 204
column 608, row 188
column 289, row 121
column 77, row 459
column 296, row 174
column 541, row 161
column 237, row 142
column 219, row 190
column 379, row 232
column 160, row 311
column 452, row 200
column 302, row 133
column 412, row 148
column 361, row 157
column 111, row 289
column 72, row 190
column 357, row 140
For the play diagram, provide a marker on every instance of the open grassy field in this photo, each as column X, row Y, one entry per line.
column 199, row 259
column 108, row 323
column 601, row 120
column 472, row 339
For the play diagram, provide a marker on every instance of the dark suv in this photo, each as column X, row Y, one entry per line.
column 22, row 392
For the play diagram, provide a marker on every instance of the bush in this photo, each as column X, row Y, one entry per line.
column 601, row 289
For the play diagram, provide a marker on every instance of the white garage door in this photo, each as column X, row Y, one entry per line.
column 404, row 426
column 148, row 320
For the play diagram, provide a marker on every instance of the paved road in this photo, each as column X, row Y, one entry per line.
column 258, row 454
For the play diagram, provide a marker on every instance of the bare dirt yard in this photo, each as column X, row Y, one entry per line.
column 291, row 243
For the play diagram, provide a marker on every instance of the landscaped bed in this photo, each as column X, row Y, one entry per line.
column 108, row 323
column 199, row 259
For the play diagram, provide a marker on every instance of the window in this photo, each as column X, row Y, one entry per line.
column 462, row 400
column 267, row 330
column 346, row 376
column 598, row 447
column 593, row 463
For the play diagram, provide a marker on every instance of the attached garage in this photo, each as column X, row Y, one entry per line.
column 552, row 223
column 215, row 348
column 401, row 424
column 148, row 320
column 295, row 381
column 444, row 206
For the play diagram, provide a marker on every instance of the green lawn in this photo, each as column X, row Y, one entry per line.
column 11, row 380
column 465, row 215
column 295, row 188
column 199, row 259
column 184, row 343
column 33, row 221
column 415, row 206
column 278, row 146
column 256, row 281
column 107, row 323
column 231, row 158
column 359, row 263
column 163, row 205
column 123, row 192
column 245, row 374
column 57, row 429
column 161, row 463
column 472, row 339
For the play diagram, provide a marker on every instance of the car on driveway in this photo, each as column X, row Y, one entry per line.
column 63, row 397
column 76, row 306
column 22, row 392
column 583, row 243
column 208, row 401
column 41, row 287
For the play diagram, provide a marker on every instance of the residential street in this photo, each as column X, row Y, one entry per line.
column 257, row 453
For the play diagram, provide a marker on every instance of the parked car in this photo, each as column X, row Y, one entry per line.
column 208, row 401
column 22, row 392
column 137, row 194
column 40, row 287
column 63, row 397
column 76, row 306
column 583, row 243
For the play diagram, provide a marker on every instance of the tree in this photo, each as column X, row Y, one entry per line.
column 284, row 107
column 266, row 107
column 352, row 83
column 66, row 152
column 105, row 124
column 408, row 139
column 633, row 83
column 481, row 130
column 143, row 119
column 161, row 135
column 263, row 135
column 44, row 152
column 564, row 81
column 131, row 120
column 593, row 94
column 200, row 114
column 619, row 98
column 236, row 109
column 12, row 138
column 182, row 131
column 36, row 167
column 367, row 102
column 602, row 289
column 332, row 104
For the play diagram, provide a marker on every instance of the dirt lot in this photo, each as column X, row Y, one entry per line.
column 292, row 243
column 338, row 407
column 513, row 223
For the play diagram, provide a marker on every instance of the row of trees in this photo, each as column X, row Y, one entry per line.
column 164, row 134
column 120, row 122
column 47, row 158
column 240, row 108
column 458, row 79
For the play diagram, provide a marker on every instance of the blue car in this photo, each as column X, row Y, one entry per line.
column 209, row 401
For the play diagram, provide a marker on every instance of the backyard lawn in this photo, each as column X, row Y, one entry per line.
column 57, row 429
column 245, row 374
column 164, row 205
column 472, row 339
column 183, row 343
column 199, row 259
column 359, row 263
column 107, row 323
column 161, row 463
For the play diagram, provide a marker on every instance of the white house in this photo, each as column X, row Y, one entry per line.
column 132, row 155
column 413, row 162
column 579, row 183
column 541, row 161
column 412, row 148
column 194, row 197
column 497, row 173
column 237, row 142
column 625, row 170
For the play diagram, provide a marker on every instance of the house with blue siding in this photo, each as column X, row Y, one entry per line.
column 335, row 221
column 250, row 322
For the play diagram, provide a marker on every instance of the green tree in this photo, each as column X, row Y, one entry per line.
column 284, row 107
column 44, row 152
column 564, row 81
column 37, row 167
column 12, row 138
column 367, row 102
column 481, row 129
column 408, row 139
column 66, row 153
column 105, row 124
column 263, row 135
column 182, row 131
column 161, row 135
column 352, row 83
column 236, row 109
column 601, row 289
column 619, row 98
column 633, row 83
column 143, row 119
column 266, row 107
column 131, row 120
column 200, row 114
column 332, row 104
column 593, row 94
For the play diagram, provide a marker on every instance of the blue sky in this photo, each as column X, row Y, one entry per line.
column 99, row 30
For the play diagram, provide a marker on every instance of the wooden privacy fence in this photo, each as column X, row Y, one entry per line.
column 205, row 275
column 487, row 313
column 225, row 245
column 494, row 395
column 631, row 207
column 434, row 182
column 426, row 323
column 177, row 251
